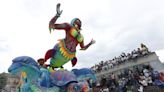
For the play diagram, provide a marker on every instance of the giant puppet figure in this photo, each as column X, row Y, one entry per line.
column 65, row 50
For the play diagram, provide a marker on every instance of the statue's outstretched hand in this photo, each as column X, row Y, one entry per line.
column 93, row 41
column 59, row 12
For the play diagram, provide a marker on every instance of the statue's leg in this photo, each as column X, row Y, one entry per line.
column 74, row 61
column 50, row 53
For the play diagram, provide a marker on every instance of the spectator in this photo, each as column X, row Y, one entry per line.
column 161, row 76
column 129, row 56
column 142, row 80
column 110, row 64
column 139, row 52
column 134, row 54
column 41, row 63
column 113, row 77
column 149, row 80
column 146, row 72
column 103, row 81
column 140, row 88
column 144, row 49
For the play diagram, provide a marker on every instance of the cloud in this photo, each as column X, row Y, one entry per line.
column 4, row 45
column 160, row 54
column 5, row 54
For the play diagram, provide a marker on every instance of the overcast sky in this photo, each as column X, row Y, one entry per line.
column 116, row 25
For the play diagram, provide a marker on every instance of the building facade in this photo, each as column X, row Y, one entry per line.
column 9, row 83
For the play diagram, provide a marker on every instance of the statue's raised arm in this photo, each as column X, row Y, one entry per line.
column 53, row 24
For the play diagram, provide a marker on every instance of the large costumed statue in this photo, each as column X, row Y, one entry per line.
column 65, row 50
column 37, row 78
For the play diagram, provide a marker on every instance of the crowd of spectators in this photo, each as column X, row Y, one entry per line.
column 135, row 79
column 123, row 58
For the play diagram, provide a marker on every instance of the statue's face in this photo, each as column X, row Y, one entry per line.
column 77, row 24
column 77, row 27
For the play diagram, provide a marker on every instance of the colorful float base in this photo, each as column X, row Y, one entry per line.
column 38, row 79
